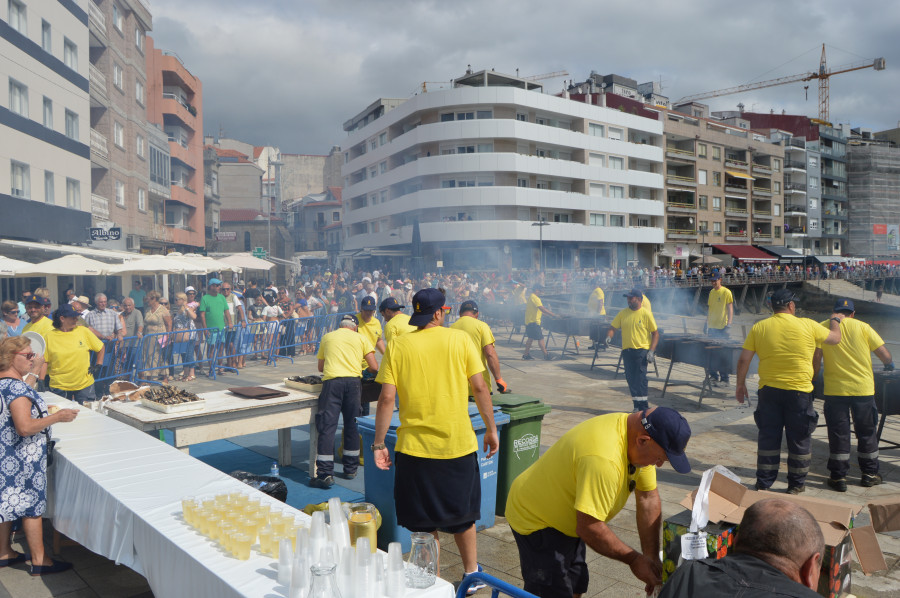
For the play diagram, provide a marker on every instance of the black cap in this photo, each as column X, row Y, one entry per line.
column 425, row 303
column 844, row 305
column 635, row 292
column 390, row 303
column 67, row 311
column 367, row 304
column 782, row 297
column 671, row 432
column 468, row 306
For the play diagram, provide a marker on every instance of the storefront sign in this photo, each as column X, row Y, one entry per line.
column 106, row 234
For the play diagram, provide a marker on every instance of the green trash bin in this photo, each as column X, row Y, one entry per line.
column 520, row 439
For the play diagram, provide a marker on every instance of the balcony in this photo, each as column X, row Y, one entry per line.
column 97, row 78
column 795, row 210
column 681, row 233
column 835, row 173
column 97, row 25
column 795, row 187
column 732, row 163
column 762, row 215
column 736, row 212
column 798, row 143
column 732, row 189
column 795, row 231
column 762, row 191
column 740, row 236
column 675, row 206
column 835, row 215
column 795, row 164
column 99, row 149
column 99, row 205
column 765, row 237
column 762, row 168
column 683, row 181
column 680, row 154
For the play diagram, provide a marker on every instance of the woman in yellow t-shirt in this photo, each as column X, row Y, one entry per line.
column 68, row 356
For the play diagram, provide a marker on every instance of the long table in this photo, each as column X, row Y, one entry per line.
column 227, row 415
column 117, row 491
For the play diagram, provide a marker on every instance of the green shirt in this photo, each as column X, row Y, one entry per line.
column 215, row 308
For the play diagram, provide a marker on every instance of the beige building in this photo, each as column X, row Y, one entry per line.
column 724, row 185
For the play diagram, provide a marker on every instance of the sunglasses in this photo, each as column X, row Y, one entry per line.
column 163, row 302
column 28, row 355
column 631, row 483
column 10, row 311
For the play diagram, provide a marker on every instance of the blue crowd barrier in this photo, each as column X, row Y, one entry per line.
column 497, row 586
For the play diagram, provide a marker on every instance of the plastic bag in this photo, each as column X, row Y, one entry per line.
column 266, row 484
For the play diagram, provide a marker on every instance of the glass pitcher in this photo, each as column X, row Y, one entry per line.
column 323, row 583
column 421, row 569
column 361, row 519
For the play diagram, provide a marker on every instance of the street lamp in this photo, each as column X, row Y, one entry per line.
column 702, row 232
column 541, row 223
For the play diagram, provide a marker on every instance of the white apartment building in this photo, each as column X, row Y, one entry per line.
column 45, row 167
column 480, row 165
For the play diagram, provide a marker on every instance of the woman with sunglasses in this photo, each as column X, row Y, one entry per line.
column 68, row 356
column 14, row 324
column 23, row 421
column 156, row 321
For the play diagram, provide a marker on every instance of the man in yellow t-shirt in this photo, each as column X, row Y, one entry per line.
column 68, row 356
column 340, row 354
column 785, row 345
column 481, row 335
column 567, row 498
column 395, row 321
column 718, row 318
column 437, row 483
column 850, row 387
column 639, row 339
column 533, row 311
column 597, row 302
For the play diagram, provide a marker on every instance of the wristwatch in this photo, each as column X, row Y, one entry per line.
column 378, row 447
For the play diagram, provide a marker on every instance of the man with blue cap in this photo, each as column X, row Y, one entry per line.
column 214, row 315
column 850, row 388
column 566, row 500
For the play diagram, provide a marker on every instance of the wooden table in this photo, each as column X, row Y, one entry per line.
column 227, row 415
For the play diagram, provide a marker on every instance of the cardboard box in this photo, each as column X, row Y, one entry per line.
column 728, row 500
column 719, row 540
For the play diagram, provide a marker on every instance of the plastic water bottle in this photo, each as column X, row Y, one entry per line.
column 274, row 469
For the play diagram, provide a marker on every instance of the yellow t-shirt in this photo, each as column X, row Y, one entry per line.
column 585, row 470
column 595, row 300
column 645, row 304
column 342, row 350
column 371, row 330
column 519, row 295
column 785, row 345
column 848, row 365
column 42, row 327
column 69, row 358
column 431, row 370
column 636, row 327
column 718, row 302
column 398, row 325
column 532, row 313
column 481, row 335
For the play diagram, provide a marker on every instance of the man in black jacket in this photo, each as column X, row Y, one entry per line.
column 777, row 552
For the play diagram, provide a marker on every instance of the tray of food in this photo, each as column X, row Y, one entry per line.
column 257, row 392
column 170, row 399
column 307, row 383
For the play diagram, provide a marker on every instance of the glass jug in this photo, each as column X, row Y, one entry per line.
column 421, row 569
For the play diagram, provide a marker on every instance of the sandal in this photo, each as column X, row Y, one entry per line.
column 190, row 378
column 56, row 567
column 21, row 558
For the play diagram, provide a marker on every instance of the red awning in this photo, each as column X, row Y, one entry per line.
column 746, row 253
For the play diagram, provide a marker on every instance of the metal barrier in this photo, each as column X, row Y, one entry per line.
column 497, row 586
column 303, row 333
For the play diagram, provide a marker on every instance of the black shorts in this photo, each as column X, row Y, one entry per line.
column 553, row 564
column 533, row 331
column 443, row 494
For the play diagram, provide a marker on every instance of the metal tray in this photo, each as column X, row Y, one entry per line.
column 177, row 408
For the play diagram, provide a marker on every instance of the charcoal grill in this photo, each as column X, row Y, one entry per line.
column 698, row 350
column 575, row 326
column 887, row 399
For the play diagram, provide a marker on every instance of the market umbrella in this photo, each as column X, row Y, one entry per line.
column 11, row 267
column 154, row 265
column 67, row 265
column 208, row 264
column 246, row 261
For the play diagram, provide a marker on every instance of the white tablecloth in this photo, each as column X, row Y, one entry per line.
column 117, row 491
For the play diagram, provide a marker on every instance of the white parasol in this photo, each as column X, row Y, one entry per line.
column 246, row 261
column 11, row 267
column 155, row 265
column 67, row 265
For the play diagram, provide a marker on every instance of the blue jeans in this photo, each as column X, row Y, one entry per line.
column 79, row 396
column 635, row 362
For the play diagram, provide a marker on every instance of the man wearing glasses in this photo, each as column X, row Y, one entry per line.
column 566, row 499
column 26, row 297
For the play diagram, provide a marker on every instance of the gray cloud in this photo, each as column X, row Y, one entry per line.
column 290, row 72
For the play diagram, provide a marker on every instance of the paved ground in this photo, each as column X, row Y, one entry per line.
column 723, row 433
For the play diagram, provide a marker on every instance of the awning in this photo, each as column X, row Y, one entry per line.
column 110, row 254
column 739, row 175
column 746, row 253
column 785, row 254
column 830, row 259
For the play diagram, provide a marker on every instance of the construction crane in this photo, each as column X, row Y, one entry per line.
column 823, row 75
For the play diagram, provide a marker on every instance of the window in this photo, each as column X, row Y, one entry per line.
column 139, row 39
column 598, row 219
column 247, row 241
column 717, row 204
column 382, row 139
column 373, row 144
column 46, row 38
column 383, row 196
column 118, row 76
column 777, row 232
column 18, row 98
column 142, row 200
column 118, row 18
column 465, row 116
column 70, row 54
column 522, row 183
column 73, row 193
column 484, row 114
column 616, row 220
column 71, row 125
column 813, row 224
column 446, row 117
column 776, row 186
column 48, row 187
column 139, row 92
column 616, row 191
column 595, row 159
column 717, row 179
column 701, row 150
column 702, row 225
column 704, row 202
column 139, row 145
column 616, row 163
column 716, row 153
column 20, row 180
column 615, row 134
column 597, row 189
column 382, row 168
column 717, row 228
column 335, row 216
column 776, row 164
column 813, row 162
column 521, row 117
column 48, row 112
column 119, row 134
column 776, row 209
column 120, row 193
column 813, row 182
column 701, row 177
column 373, row 172
column 813, row 204
column 17, row 17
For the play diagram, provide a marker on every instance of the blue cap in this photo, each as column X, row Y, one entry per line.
column 214, row 281
column 468, row 306
column 671, row 432
column 42, row 301
column 302, row 302
column 390, row 303
column 782, row 297
column 717, row 276
column 844, row 305
column 425, row 303
column 367, row 304
column 67, row 311
column 635, row 292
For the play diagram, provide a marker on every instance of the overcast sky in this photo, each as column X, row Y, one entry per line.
column 290, row 72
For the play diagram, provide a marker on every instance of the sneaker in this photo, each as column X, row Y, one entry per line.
column 349, row 476
column 760, row 488
column 838, row 485
column 477, row 584
column 870, row 479
column 796, row 489
column 548, row 357
column 527, row 357
column 323, row 483
column 725, row 381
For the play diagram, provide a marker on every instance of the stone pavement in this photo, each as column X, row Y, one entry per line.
column 723, row 433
